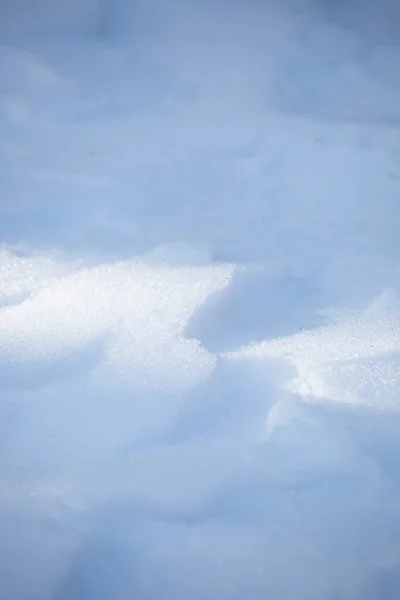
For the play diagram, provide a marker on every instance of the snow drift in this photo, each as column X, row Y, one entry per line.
column 199, row 300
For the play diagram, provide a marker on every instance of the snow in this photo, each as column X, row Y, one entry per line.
column 199, row 300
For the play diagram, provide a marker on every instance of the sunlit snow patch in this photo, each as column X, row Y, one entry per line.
column 21, row 276
column 133, row 311
column 355, row 359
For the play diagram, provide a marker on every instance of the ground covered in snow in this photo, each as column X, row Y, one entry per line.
column 199, row 300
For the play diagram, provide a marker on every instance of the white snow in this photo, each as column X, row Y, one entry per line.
column 199, row 300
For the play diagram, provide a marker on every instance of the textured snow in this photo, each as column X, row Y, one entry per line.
column 199, row 300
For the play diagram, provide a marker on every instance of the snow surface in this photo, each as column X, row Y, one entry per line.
column 199, row 300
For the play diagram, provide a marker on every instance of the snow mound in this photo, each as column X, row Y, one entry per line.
column 355, row 359
column 137, row 311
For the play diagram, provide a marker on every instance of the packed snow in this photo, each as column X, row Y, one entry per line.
column 199, row 300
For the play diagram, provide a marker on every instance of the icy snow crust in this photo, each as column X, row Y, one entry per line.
column 199, row 300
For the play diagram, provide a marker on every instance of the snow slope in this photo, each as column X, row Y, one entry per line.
column 199, row 300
